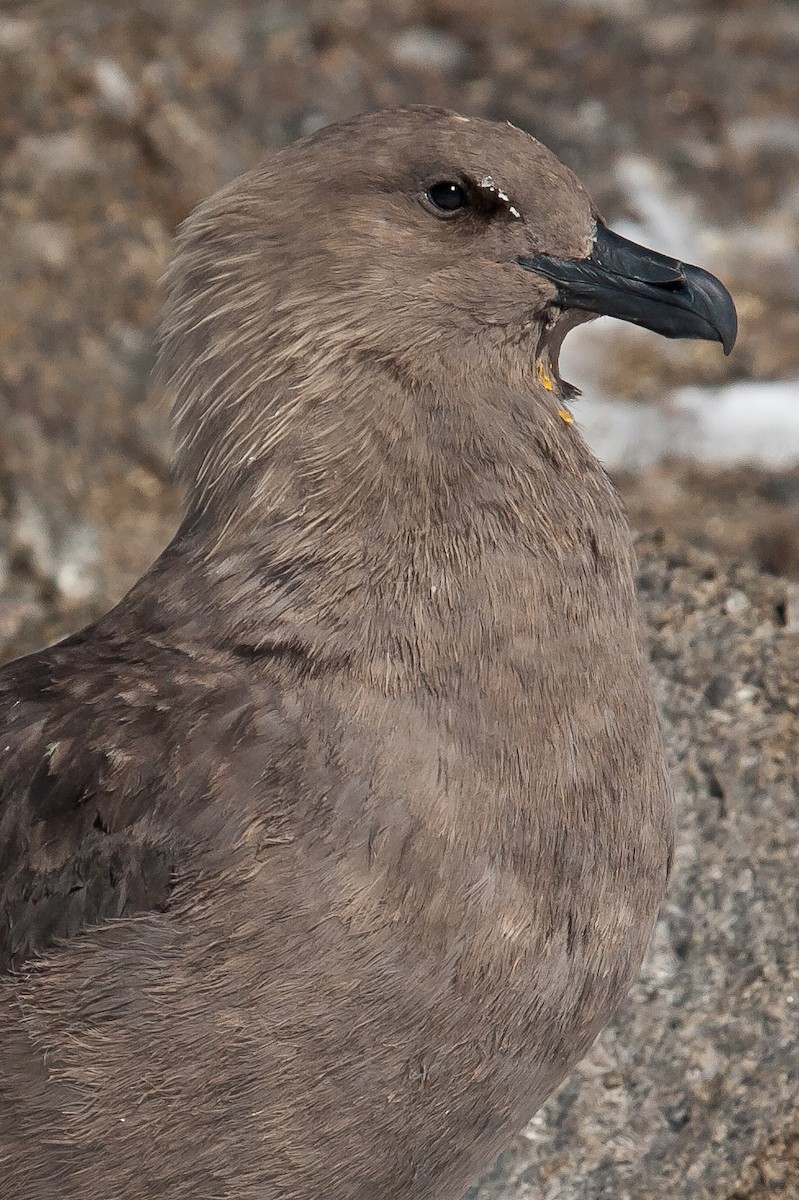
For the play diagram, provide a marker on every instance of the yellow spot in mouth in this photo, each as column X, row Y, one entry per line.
column 544, row 378
column 566, row 416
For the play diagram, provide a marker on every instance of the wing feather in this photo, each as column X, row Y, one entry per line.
column 78, row 840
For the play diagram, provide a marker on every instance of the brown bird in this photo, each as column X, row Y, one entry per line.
column 329, row 850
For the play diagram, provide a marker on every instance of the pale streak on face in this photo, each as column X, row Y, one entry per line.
column 488, row 183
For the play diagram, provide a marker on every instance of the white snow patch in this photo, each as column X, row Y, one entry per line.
column 743, row 423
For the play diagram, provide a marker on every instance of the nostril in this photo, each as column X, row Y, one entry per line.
column 672, row 285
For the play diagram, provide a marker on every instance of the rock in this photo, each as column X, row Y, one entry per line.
column 740, row 513
column 16, row 33
column 737, row 602
column 58, row 154
column 429, row 49
column 49, row 242
column 116, row 93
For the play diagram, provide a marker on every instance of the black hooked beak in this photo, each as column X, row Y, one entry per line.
column 622, row 279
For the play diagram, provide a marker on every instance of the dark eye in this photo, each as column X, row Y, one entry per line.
column 447, row 196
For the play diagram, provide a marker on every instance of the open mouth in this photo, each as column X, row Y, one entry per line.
column 558, row 324
column 622, row 279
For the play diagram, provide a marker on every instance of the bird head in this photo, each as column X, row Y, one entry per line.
column 449, row 253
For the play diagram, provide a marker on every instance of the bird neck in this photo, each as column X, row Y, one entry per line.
column 377, row 524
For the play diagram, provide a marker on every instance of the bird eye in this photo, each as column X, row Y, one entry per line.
column 447, row 196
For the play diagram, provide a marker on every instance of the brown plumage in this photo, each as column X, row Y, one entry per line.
column 328, row 851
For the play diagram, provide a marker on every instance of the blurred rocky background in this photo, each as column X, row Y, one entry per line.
column 118, row 116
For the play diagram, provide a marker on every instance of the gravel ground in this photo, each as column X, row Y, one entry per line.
column 116, row 118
